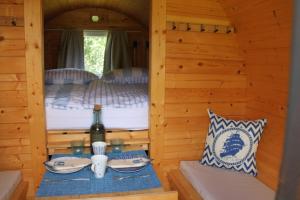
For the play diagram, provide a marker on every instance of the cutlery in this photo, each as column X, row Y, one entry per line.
column 119, row 178
column 63, row 180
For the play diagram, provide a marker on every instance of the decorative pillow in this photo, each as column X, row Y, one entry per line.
column 132, row 76
column 232, row 144
column 69, row 76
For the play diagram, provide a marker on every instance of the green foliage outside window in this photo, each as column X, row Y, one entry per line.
column 94, row 47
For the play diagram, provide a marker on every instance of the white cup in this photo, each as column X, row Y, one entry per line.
column 99, row 148
column 99, row 163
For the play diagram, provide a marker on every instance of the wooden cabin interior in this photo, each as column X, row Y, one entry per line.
column 230, row 56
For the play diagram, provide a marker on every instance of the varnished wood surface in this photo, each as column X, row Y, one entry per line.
column 35, row 85
column 15, row 140
column 151, row 194
column 21, row 191
column 60, row 141
column 203, row 70
column 264, row 35
column 185, row 189
column 138, row 9
column 157, row 82
column 111, row 20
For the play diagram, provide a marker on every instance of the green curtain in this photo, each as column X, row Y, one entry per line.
column 71, row 51
column 117, row 54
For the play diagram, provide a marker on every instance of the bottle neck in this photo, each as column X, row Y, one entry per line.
column 97, row 117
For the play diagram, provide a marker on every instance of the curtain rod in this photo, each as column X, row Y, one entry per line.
column 62, row 29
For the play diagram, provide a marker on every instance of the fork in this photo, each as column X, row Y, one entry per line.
column 119, row 178
column 63, row 180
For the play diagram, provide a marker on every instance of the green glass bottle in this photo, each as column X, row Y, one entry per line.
column 97, row 130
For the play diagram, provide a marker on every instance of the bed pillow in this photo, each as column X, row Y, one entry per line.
column 232, row 144
column 69, row 76
column 132, row 76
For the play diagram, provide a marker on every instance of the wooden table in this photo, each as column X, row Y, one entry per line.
column 156, row 194
column 105, row 188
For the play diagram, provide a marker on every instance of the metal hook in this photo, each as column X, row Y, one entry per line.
column 188, row 27
column 14, row 21
column 228, row 29
column 216, row 29
column 202, row 28
column 174, row 26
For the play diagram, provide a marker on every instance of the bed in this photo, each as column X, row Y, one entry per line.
column 69, row 109
column 70, row 106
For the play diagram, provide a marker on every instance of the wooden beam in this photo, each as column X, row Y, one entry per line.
column 193, row 20
column 157, row 80
column 34, row 75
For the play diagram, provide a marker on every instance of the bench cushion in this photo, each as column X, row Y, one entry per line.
column 9, row 181
column 215, row 183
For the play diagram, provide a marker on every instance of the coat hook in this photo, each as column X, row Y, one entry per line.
column 216, row 29
column 14, row 21
column 228, row 29
column 202, row 28
column 188, row 27
column 174, row 26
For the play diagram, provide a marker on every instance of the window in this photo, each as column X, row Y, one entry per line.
column 94, row 48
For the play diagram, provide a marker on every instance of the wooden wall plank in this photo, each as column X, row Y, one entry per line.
column 9, row 86
column 12, row 10
column 13, row 98
column 13, row 115
column 196, row 8
column 12, row 48
column 204, row 66
column 12, row 2
column 14, row 130
column 264, row 34
column 12, row 33
column 12, row 65
column 35, row 85
column 194, row 95
column 157, row 80
column 12, row 77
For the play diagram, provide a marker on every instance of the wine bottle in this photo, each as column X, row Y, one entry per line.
column 97, row 130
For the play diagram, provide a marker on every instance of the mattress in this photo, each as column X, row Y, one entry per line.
column 214, row 184
column 113, row 118
column 9, row 181
column 70, row 106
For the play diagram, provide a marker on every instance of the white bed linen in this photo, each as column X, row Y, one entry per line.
column 118, row 118
column 123, row 106
column 219, row 184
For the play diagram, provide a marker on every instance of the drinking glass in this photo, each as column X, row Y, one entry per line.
column 77, row 147
column 117, row 145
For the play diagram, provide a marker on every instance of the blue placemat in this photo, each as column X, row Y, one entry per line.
column 108, row 184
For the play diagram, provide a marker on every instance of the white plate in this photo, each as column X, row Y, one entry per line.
column 65, row 165
column 64, row 171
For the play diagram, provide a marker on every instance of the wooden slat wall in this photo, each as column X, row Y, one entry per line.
column 15, row 149
column 264, row 29
column 203, row 70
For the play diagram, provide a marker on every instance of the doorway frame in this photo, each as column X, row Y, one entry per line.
column 34, row 39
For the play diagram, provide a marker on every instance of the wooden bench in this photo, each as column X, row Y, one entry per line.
column 12, row 186
column 185, row 189
column 198, row 182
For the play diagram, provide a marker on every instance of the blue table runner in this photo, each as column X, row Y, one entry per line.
column 108, row 184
